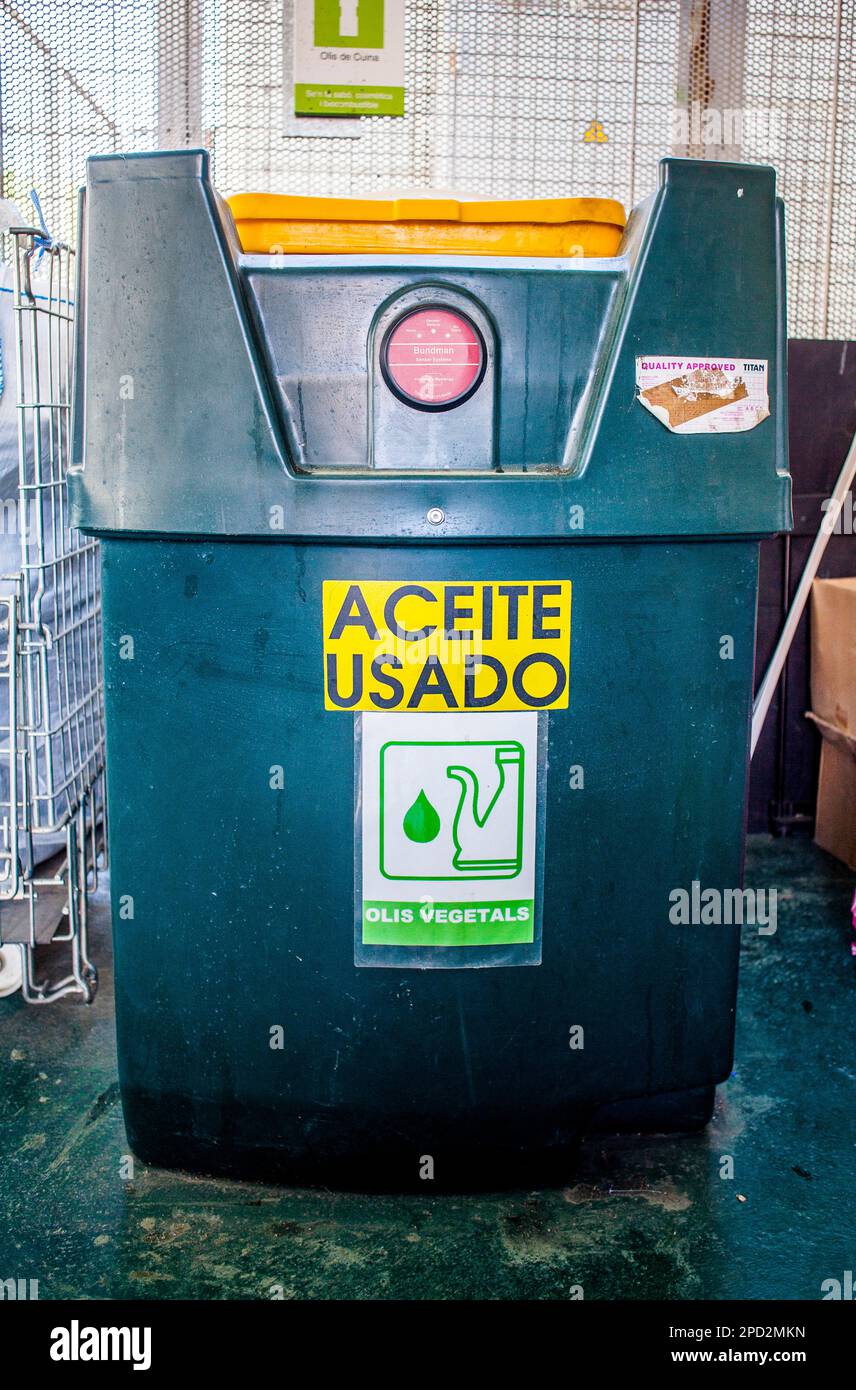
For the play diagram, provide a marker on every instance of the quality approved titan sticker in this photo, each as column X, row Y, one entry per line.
column 704, row 395
column 437, row 647
column 447, row 835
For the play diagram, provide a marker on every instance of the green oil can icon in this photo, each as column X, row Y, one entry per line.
column 348, row 24
column 479, row 846
column 451, row 810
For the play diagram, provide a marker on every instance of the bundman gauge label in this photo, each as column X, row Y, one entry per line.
column 433, row 358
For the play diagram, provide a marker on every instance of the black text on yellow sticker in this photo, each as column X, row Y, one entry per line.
column 429, row 647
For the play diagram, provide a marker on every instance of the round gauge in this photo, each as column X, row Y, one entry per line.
column 433, row 358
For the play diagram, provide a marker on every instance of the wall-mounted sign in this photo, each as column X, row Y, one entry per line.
column 439, row 646
column 448, row 824
column 349, row 57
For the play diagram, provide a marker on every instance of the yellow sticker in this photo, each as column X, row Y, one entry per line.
column 430, row 647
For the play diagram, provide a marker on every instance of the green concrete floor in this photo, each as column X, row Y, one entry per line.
column 642, row 1217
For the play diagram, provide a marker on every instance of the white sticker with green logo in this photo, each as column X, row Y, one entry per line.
column 349, row 57
column 448, row 837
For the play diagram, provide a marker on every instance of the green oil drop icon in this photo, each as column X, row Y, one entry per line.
column 421, row 823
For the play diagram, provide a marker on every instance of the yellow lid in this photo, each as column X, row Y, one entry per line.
column 431, row 223
column 288, row 207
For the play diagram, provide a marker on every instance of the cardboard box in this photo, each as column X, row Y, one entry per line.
column 833, row 699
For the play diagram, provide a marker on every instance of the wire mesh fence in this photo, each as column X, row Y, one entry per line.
column 504, row 98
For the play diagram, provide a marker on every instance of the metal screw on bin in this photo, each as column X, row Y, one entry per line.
column 436, row 515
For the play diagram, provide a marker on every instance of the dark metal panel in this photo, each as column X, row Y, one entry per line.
column 226, row 681
column 822, row 385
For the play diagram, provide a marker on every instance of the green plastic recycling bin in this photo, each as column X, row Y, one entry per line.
column 429, row 587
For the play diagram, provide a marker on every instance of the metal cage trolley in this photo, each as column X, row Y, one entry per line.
column 52, row 824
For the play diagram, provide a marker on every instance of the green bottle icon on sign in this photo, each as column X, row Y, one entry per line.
column 348, row 24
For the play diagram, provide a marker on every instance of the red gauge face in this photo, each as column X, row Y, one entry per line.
column 433, row 358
